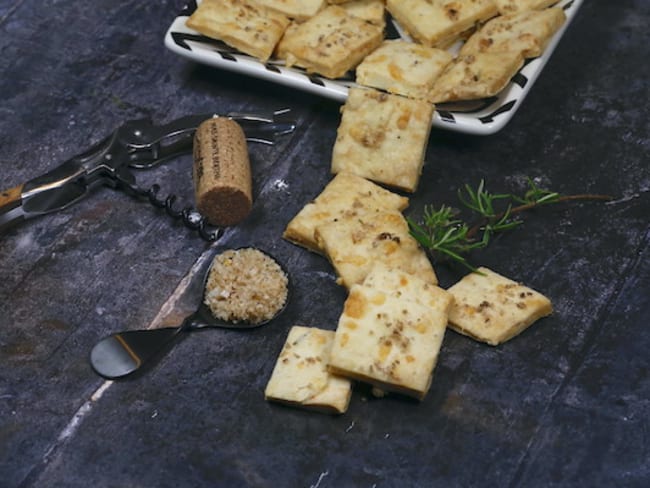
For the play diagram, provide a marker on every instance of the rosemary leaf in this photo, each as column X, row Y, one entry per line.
column 446, row 237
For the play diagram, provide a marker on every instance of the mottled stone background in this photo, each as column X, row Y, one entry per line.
column 564, row 404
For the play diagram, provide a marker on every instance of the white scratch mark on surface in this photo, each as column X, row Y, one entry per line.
column 25, row 241
column 280, row 185
column 320, row 478
column 350, row 427
column 325, row 275
column 73, row 425
column 168, row 306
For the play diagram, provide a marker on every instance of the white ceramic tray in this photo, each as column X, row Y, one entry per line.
column 481, row 117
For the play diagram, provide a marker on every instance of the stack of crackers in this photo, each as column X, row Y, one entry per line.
column 335, row 37
column 393, row 322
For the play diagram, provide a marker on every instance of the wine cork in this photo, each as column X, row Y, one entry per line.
column 221, row 172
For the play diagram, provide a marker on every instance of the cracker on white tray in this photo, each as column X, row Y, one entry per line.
column 331, row 43
column 299, row 10
column 510, row 6
column 438, row 23
column 372, row 11
column 402, row 67
column 243, row 24
column 527, row 32
column 475, row 76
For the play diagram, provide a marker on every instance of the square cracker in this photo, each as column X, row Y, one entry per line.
column 345, row 194
column 527, row 32
column 492, row 308
column 299, row 10
column 243, row 24
column 475, row 76
column 403, row 285
column 300, row 377
column 354, row 244
column 510, row 6
column 331, row 43
column 371, row 10
column 438, row 23
column 402, row 67
column 388, row 341
column 382, row 137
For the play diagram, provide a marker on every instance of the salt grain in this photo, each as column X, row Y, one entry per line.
column 246, row 285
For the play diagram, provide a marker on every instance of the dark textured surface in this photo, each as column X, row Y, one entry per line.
column 564, row 404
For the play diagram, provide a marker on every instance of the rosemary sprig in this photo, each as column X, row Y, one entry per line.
column 445, row 236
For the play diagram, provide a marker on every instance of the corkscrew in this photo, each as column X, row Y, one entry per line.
column 189, row 216
column 137, row 144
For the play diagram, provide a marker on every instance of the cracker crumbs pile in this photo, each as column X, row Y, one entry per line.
column 245, row 285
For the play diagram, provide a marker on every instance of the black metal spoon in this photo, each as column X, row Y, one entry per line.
column 124, row 353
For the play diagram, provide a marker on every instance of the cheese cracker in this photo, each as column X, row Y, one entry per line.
column 354, row 244
column 345, row 194
column 527, row 32
column 510, row 6
column 331, row 43
column 492, row 308
column 389, row 342
column 372, row 11
column 300, row 10
column 243, row 24
column 475, row 76
column 438, row 23
column 402, row 67
column 403, row 285
column 300, row 377
column 383, row 138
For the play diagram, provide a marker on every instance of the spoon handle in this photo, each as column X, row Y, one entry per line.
column 122, row 354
